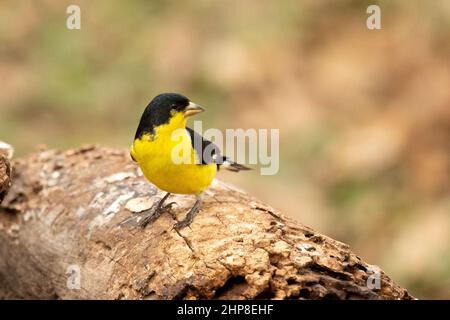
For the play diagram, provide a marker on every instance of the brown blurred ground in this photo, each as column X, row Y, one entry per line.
column 364, row 115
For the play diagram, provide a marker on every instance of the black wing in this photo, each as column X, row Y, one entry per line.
column 209, row 153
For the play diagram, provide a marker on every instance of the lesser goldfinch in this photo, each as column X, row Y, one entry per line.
column 162, row 128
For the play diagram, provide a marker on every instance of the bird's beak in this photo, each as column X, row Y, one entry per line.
column 192, row 109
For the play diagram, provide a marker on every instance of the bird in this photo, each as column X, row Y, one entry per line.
column 173, row 157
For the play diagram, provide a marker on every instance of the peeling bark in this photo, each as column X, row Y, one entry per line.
column 63, row 210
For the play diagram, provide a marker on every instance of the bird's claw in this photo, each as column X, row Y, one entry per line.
column 146, row 217
column 188, row 219
column 182, row 224
column 169, row 205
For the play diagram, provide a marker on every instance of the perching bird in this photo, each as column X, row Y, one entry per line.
column 174, row 157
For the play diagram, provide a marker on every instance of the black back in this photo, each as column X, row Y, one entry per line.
column 208, row 151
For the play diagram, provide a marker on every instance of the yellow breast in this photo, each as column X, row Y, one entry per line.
column 169, row 161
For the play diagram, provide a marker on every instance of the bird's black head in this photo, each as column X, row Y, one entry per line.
column 162, row 108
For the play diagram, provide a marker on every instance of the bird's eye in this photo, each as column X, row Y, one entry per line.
column 176, row 107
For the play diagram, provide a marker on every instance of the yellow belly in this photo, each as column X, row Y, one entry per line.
column 154, row 156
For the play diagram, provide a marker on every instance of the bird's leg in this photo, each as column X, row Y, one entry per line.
column 190, row 215
column 155, row 211
column 144, row 218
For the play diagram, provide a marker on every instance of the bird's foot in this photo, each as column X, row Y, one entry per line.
column 189, row 217
column 142, row 219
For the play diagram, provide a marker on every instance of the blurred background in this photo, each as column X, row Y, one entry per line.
column 364, row 116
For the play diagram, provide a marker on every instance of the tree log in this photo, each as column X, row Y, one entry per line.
column 60, row 238
column 6, row 153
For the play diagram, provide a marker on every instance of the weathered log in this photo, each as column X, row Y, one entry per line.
column 6, row 152
column 59, row 224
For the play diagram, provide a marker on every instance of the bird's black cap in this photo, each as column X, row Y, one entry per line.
column 158, row 111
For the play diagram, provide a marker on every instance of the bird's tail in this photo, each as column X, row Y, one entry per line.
column 232, row 166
